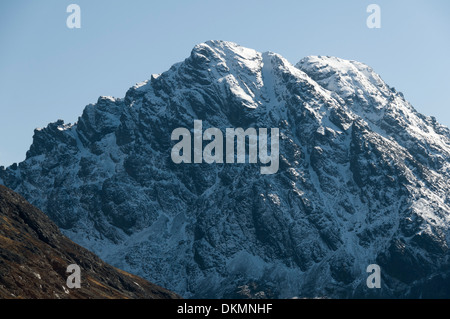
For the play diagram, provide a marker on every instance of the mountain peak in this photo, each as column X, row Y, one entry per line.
column 224, row 53
column 363, row 178
column 224, row 47
column 346, row 77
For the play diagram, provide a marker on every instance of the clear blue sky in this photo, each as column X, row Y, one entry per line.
column 50, row 72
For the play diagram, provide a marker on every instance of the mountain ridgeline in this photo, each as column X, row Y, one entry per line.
column 34, row 259
column 363, row 179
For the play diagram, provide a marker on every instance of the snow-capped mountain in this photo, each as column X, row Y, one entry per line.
column 363, row 178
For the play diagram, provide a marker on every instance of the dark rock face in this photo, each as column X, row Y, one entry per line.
column 34, row 256
column 363, row 178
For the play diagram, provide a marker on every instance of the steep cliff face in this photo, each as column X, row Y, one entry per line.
column 35, row 256
column 363, row 178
